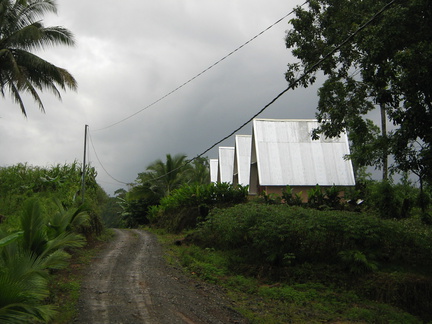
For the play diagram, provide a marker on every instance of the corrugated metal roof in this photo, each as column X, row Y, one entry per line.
column 214, row 163
column 226, row 164
column 242, row 158
column 286, row 155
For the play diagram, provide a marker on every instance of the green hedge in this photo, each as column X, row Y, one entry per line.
column 283, row 235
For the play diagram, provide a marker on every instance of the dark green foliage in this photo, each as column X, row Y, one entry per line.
column 316, row 197
column 281, row 236
column 290, row 299
column 51, row 186
column 386, row 65
column 135, row 213
column 111, row 211
column 386, row 203
column 44, row 211
column 356, row 262
column 290, row 198
column 27, row 255
column 351, row 250
column 392, row 201
column 159, row 181
column 189, row 204
column 329, row 198
column 271, row 198
column 23, row 287
column 332, row 197
column 411, row 292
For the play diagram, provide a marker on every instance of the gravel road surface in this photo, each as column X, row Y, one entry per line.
column 130, row 282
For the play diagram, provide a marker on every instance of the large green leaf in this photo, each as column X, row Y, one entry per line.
column 10, row 238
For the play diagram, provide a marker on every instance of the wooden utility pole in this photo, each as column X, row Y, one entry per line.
column 84, row 163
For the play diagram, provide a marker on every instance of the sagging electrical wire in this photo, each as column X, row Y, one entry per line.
column 97, row 157
column 202, row 72
column 292, row 85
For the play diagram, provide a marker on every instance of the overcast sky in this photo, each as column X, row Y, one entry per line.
column 132, row 53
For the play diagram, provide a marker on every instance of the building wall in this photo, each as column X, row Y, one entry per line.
column 295, row 189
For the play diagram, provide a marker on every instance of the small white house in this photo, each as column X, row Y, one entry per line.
column 242, row 158
column 226, row 164
column 214, row 164
column 283, row 153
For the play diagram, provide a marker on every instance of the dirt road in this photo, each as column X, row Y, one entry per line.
column 130, row 282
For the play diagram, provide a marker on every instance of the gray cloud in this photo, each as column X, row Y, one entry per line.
column 130, row 54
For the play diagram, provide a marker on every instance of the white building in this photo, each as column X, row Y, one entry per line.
column 226, row 164
column 214, row 165
column 242, row 158
column 283, row 153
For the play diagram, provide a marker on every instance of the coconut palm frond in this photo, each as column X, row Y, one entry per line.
column 20, row 32
column 64, row 240
column 33, row 223
column 66, row 219
column 24, row 286
column 56, row 260
column 25, row 313
column 10, row 238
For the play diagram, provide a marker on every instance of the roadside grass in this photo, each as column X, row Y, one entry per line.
column 65, row 284
column 263, row 301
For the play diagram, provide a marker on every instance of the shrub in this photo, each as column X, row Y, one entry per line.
column 316, row 198
column 290, row 198
column 185, row 207
column 280, row 236
column 48, row 184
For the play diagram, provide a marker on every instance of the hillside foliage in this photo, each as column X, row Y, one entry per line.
column 43, row 219
column 374, row 244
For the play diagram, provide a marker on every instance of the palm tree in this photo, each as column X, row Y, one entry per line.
column 27, row 255
column 200, row 171
column 24, row 288
column 167, row 176
column 20, row 32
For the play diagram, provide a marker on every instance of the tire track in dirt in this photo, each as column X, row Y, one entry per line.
column 130, row 282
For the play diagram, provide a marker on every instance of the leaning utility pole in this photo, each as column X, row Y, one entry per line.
column 84, row 163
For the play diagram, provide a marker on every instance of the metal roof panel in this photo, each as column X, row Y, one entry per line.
column 226, row 164
column 242, row 158
column 214, row 163
column 286, row 154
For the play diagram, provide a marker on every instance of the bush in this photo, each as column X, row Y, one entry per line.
column 48, row 184
column 290, row 198
column 411, row 292
column 279, row 235
column 185, row 207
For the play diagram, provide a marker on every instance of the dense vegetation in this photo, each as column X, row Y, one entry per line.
column 160, row 180
column 43, row 219
column 386, row 66
column 367, row 259
column 364, row 258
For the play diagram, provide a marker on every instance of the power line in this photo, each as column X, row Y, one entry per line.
column 97, row 157
column 292, row 85
column 202, row 72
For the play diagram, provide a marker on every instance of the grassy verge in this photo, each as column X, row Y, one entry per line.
column 65, row 284
column 263, row 301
